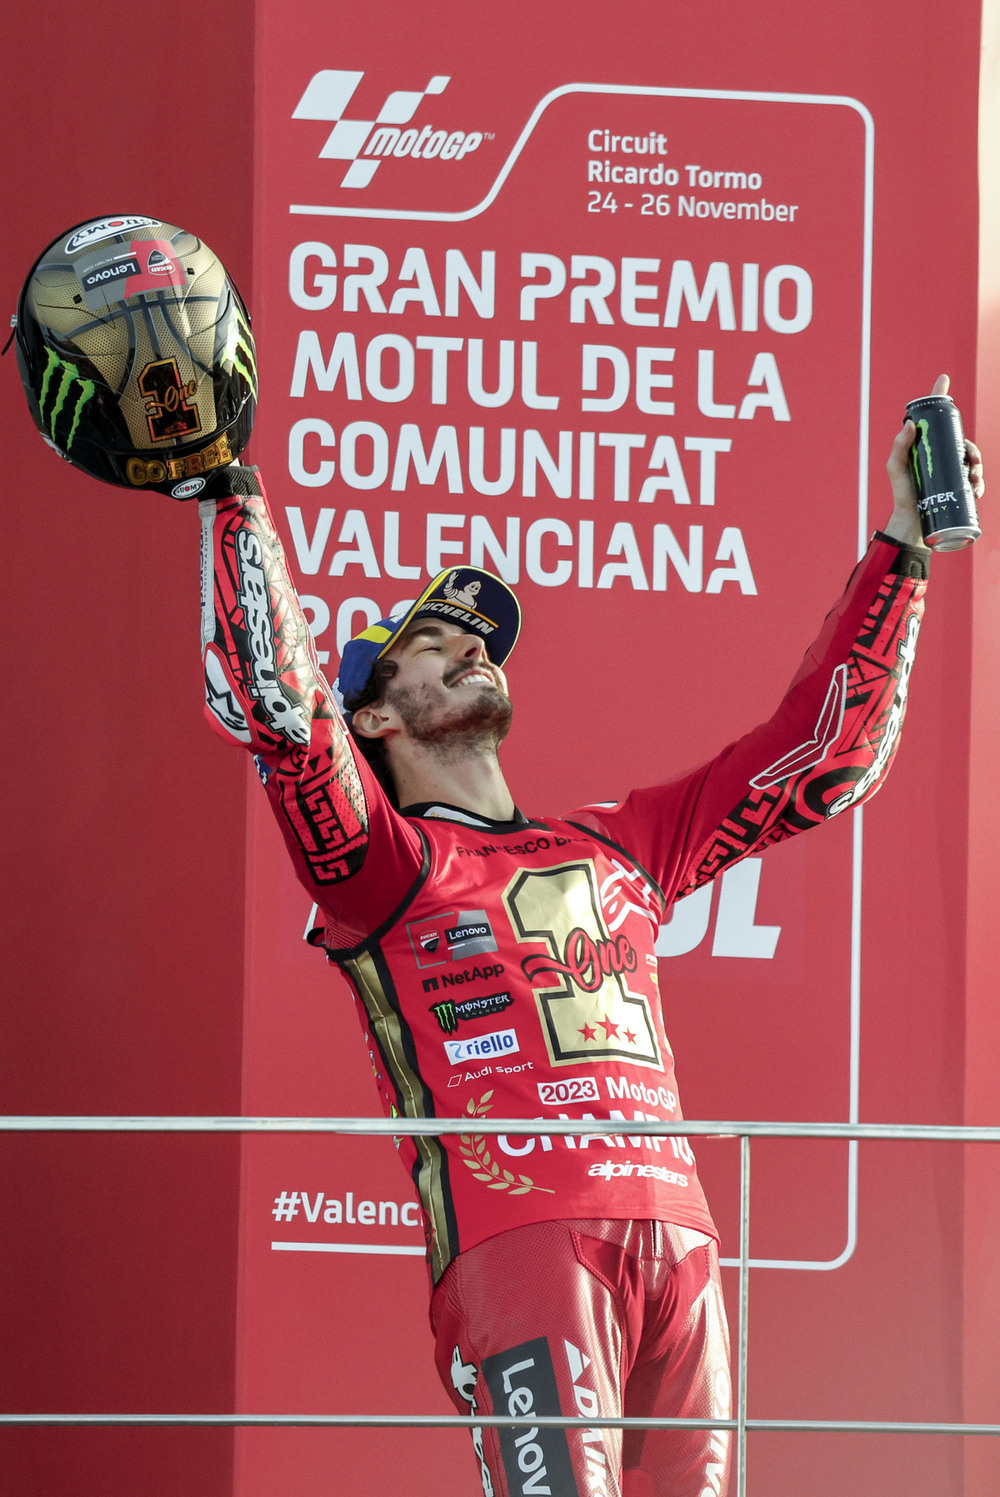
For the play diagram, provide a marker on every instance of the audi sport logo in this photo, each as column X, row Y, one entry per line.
column 365, row 143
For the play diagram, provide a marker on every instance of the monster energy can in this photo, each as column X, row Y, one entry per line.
column 945, row 499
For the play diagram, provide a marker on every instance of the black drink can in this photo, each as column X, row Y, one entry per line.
column 945, row 499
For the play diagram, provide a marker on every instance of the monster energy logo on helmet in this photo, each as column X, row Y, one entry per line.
column 238, row 350
column 70, row 394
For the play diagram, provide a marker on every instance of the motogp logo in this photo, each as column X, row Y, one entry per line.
column 327, row 96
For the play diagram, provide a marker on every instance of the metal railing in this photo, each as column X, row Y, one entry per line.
column 741, row 1425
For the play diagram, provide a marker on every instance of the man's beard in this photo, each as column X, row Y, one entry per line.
column 478, row 723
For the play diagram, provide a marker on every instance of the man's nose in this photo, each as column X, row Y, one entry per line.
column 471, row 648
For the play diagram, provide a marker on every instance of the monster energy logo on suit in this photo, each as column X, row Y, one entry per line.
column 448, row 1013
column 522, row 1382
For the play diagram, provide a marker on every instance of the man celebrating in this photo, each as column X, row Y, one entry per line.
column 564, row 1281
column 571, row 1284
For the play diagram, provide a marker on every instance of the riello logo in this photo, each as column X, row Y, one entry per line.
column 366, row 143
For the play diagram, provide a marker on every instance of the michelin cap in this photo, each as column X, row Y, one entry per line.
column 473, row 599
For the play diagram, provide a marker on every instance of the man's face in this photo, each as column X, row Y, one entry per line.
column 446, row 690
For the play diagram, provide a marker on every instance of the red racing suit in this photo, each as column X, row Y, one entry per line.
column 508, row 969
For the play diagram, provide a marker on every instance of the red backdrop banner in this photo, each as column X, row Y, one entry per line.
column 614, row 328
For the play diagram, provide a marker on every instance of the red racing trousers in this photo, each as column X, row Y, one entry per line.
column 590, row 1318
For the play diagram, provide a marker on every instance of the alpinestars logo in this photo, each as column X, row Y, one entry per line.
column 327, row 96
column 905, row 650
column 463, row 1378
column 221, row 700
column 287, row 718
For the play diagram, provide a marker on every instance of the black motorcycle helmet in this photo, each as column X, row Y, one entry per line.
column 136, row 355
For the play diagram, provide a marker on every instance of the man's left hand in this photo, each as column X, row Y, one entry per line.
column 904, row 525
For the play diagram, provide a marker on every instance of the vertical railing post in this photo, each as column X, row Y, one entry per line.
column 741, row 1406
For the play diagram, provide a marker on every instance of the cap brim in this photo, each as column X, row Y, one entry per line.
column 476, row 601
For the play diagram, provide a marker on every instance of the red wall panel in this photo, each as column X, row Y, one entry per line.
column 879, row 1336
column 123, row 936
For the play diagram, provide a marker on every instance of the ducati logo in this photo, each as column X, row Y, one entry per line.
column 364, row 143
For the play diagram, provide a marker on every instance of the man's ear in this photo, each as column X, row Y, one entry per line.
column 373, row 722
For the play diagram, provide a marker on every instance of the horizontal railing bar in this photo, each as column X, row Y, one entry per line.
column 375, row 1421
column 498, row 1421
column 870, row 1427
column 433, row 1127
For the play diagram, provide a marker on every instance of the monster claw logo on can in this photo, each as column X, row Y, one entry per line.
column 945, row 499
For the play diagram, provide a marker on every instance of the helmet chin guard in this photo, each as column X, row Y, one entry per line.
column 136, row 355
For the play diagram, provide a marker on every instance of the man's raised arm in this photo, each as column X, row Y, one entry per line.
column 831, row 741
column 264, row 688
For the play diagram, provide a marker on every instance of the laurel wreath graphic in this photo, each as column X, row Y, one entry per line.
column 476, row 1155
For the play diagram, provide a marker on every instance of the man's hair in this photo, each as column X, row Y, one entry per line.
column 373, row 749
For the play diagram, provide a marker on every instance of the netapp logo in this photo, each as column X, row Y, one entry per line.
column 328, row 94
